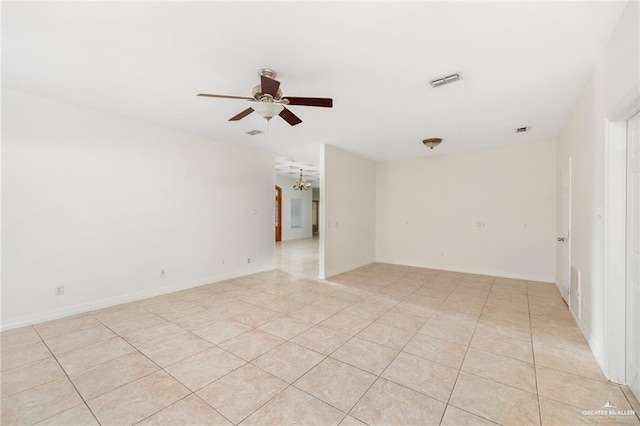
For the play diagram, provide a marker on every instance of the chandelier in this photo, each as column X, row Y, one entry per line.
column 301, row 184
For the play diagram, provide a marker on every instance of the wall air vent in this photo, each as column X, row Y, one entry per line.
column 254, row 132
column 441, row 81
column 523, row 129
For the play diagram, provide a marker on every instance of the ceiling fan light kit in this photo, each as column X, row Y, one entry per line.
column 432, row 142
column 268, row 100
column 267, row 109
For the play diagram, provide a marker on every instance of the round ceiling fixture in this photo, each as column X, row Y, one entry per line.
column 432, row 142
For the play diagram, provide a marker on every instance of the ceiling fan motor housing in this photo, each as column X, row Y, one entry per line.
column 259, row 95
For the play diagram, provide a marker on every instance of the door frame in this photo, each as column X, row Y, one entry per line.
column 315, row 210
column 633, row 217
column 278, row 223
column 615, row 241
column 565, row 248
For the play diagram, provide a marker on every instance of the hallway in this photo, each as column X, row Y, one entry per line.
column 298, row 257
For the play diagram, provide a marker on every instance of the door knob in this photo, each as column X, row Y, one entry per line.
column 561, row 239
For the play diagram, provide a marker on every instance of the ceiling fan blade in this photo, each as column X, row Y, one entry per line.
column 315, row 102
column 226, row 96
column 242, row 115
column 289, row 117
column 269, row 85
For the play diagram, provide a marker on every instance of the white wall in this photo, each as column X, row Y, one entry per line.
column 583, row 139
column 428, row 211
column 347, row 211
column 101, row 205
column 288, row 193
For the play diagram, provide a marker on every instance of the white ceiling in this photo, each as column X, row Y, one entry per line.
column 290, row 169
column 522, row 64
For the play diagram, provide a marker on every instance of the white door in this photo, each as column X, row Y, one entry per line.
column 633, row 255
column 565, row 232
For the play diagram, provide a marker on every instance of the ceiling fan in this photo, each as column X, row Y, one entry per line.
column 268, row 101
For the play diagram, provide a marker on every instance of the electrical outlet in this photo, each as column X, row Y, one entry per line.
column 163, row 272
column 248, row 260
column 59, row 290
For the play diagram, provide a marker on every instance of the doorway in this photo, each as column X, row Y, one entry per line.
column 278, row 213
column 297, row 217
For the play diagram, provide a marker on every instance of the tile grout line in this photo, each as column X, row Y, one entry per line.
column 139, row 378
column 153, row 414
column 637, row 413
column 329, row 356
column 256, row 366
column 465, row 357
column 382, row 372
column 191, row 392
column 533, row 354
column 160, row 368
column 342, row 345
column 399, row 351
column 292, row 383
column 69, row 379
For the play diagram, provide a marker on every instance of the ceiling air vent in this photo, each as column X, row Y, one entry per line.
column 254, row 132
column 441, row 81
column 523, row 129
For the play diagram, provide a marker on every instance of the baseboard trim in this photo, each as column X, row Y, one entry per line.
column 491, row 272
column 598, row 353
column 346, row 268
column 126, row 298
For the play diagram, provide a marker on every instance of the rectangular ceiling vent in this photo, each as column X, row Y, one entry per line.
column 523, row 129
column 444, row 80
column 254, row 132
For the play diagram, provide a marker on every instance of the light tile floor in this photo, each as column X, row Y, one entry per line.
column 383, row 344
column 299, row 257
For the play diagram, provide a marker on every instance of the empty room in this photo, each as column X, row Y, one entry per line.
column 320, row 213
